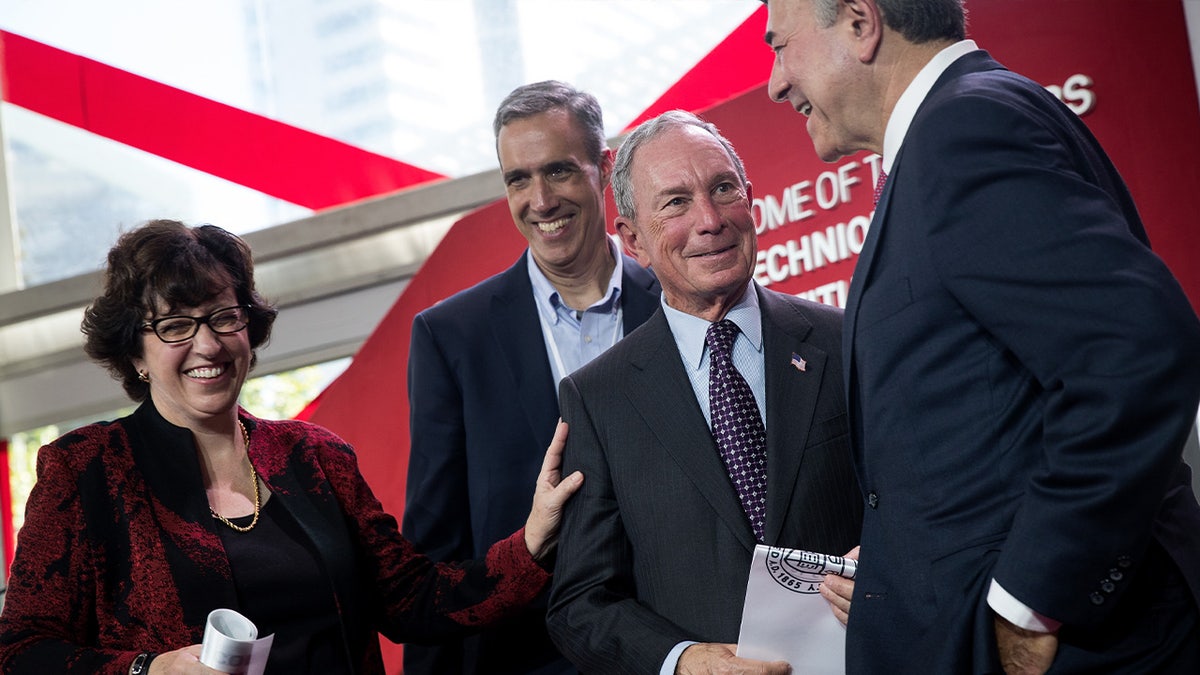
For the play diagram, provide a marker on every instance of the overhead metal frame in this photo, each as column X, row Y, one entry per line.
column 333, row 276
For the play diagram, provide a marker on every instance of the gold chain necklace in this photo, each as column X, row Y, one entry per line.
column 257, row 498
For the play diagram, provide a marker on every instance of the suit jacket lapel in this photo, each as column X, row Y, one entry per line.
column 659, row 384
column 972, row 62
column 862, row 272
column 861, row 275
column 791, row 402
column 517, row 333
column 639, row 295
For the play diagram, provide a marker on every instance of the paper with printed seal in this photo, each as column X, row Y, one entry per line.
column 785, row 618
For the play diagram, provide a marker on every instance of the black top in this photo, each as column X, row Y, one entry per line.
column 281, row 588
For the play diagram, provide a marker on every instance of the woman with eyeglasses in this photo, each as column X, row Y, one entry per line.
column 139, row 527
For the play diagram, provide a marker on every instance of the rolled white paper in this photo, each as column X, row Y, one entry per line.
column 231, row 645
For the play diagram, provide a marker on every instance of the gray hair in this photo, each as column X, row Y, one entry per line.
column 917, row 20
column 622, row 180
column 534, row 99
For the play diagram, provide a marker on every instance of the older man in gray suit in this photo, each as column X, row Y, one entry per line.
column 655, row 550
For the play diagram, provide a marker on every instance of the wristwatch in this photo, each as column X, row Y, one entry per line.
column 141, row 664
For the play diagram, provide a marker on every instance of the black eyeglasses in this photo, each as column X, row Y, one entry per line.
column 179, row 328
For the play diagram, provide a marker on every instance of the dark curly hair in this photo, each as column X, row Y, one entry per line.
column 167, row 262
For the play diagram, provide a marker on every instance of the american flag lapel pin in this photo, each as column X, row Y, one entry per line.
column 800, row 363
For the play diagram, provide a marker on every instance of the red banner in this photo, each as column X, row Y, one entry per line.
column 257, row 152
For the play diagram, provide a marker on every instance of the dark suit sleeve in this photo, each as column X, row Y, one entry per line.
column 1032, row 233
column 594, row 617
column 437, row 509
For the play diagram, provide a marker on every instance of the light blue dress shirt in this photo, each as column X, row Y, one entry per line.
column 573, row 338
column 689, row 332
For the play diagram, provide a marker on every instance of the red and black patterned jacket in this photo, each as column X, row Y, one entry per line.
column 119, row 554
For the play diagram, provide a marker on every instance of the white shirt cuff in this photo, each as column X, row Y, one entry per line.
column 1003, row 603
column 672, row 660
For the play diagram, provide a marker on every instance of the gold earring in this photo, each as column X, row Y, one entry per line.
column 143, row 376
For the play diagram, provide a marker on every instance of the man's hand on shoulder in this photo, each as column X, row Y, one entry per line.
column 707, row 658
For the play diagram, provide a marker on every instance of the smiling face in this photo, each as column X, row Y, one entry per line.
column 555, row 192
column 816, row 71
column 195, row 381
column 692, row 221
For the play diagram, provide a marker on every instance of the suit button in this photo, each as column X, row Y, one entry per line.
column 1124, row 562
column 1107, row 586
column 1096, row 598
column 872, row 499
column 1116, row 574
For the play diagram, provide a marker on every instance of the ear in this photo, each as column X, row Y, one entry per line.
column 865, row 22
column 606, row 166
column 629, row 239
column 749, row 193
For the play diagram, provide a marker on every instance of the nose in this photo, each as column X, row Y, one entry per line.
column 205, row 341
column 777, row 86
column 542, row 198
column 709, row 217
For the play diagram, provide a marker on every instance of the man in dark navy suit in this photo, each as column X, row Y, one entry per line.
column 1021, row 370
column 484, row 364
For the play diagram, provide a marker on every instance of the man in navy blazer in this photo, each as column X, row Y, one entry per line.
column 1021, row 370
column 485, row 363
column 655, row 549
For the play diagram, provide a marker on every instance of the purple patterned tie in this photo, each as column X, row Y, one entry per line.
column 879, row 182
column 737, row 425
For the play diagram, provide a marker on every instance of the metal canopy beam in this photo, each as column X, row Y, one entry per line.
column 333, row 275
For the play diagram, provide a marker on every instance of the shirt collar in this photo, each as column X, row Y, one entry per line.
column 689, row 330
column 546, row 296
column 914, row 96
